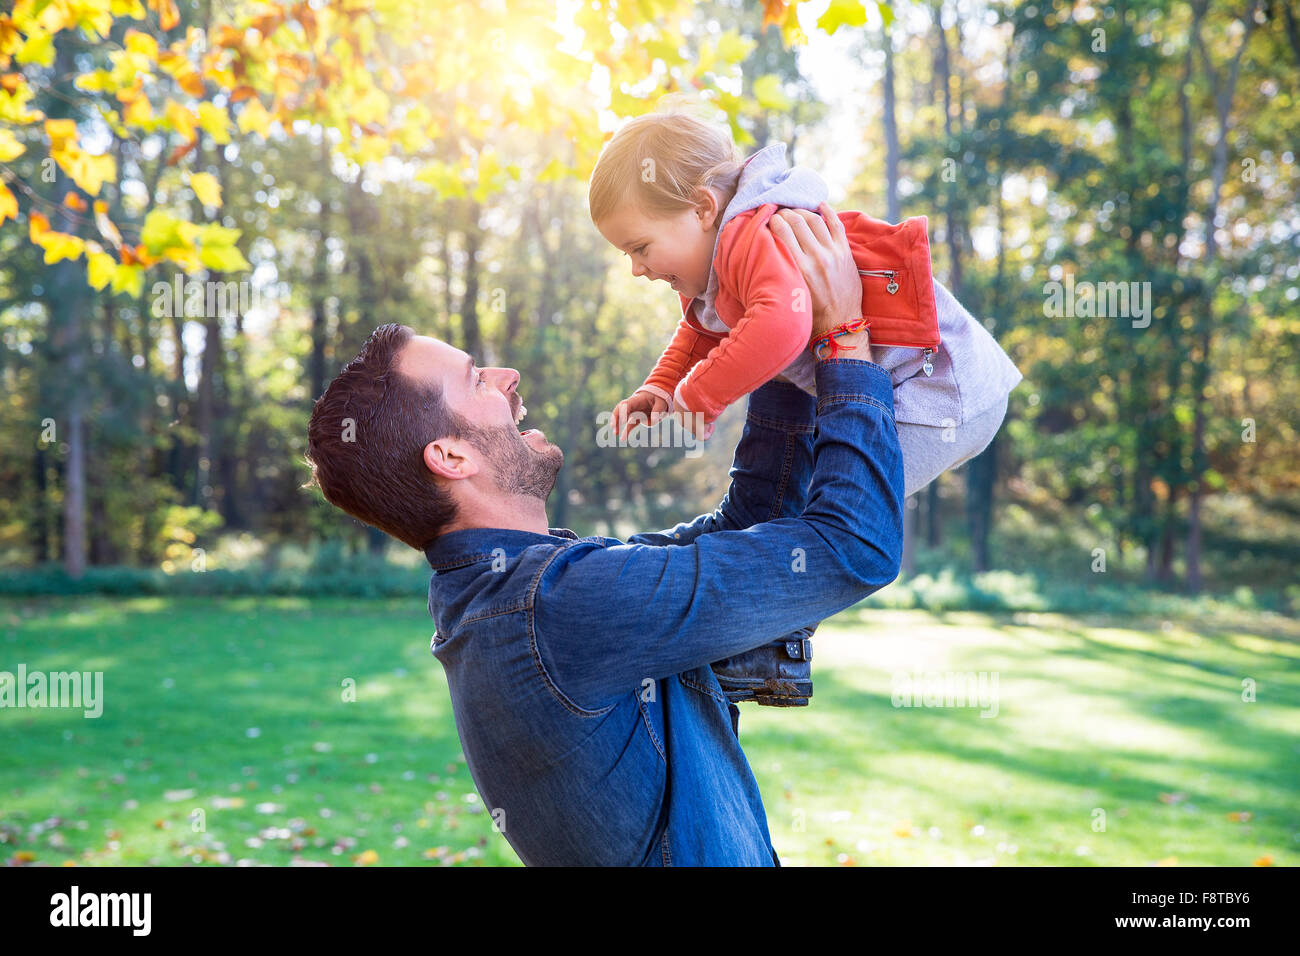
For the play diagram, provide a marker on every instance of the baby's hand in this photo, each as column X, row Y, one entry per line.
column 693, row 423
column 642, row 408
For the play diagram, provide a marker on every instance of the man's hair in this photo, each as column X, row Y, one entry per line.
column 366, row 439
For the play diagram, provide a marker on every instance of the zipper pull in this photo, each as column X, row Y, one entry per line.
column 928, row 367
column 889, row 274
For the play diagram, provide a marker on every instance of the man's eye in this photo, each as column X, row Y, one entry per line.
column 482, row 379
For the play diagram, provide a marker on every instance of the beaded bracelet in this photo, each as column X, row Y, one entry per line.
column 844, row 328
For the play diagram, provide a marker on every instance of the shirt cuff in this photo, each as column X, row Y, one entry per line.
column 676, row 400
column 658, row 392
column 843, row 379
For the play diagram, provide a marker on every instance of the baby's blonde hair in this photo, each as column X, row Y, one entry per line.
column 658, row 161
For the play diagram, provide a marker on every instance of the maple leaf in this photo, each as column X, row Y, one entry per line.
column 207, row 188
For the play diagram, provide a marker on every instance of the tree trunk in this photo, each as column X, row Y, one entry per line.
column 981, row 472
column 319, row 293
column 69, row 301
column 1223, row 89
column 469, row 324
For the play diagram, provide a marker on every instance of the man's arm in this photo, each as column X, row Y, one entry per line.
column 770, row 471
column 607, row 618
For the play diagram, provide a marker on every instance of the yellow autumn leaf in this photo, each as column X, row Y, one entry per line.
column 139, row 112
column 207, row 188
column 128, row 279
column 368, row 858
column 88, row 172
column 8, row 204
column 38, row 49
column 141, row 43
column 215, row 122
column 769, row 94
column 10, row 148
column 129, row 8
column 13, row 106
column 254, row 117
column 168, row 15
column 99, row 269
column 37, row 226
column 59, row 246
column 62, row 134
column 181, row 119
column 842, row 13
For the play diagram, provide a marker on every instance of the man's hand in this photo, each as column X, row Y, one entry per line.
column 821, row 250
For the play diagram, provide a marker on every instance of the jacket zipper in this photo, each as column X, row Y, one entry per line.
column 892, row 276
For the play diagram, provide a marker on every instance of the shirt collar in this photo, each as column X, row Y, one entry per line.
column 467, row 545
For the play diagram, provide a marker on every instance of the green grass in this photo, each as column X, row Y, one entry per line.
column 234, row 706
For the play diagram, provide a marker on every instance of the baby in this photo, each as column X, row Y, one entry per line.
column 669, row 191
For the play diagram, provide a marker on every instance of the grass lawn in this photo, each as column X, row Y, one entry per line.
column 1114, row 741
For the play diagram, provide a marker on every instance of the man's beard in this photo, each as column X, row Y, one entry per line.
column 517, row 467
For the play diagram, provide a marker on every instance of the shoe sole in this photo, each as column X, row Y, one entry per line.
column 770, row 693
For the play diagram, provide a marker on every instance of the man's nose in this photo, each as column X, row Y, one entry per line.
column 506, row 379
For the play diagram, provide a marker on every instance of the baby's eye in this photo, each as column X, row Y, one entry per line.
column 638, row 250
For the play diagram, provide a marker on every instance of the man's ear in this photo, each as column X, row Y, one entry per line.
column 449, row 458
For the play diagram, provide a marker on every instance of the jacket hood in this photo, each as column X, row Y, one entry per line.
column 765, row 178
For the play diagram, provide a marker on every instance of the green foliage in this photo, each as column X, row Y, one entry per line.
column 1076, row 165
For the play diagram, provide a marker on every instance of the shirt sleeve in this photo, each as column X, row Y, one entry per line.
column 687, row 347
column 606, row 618
column 774, row 329
column 769, row 473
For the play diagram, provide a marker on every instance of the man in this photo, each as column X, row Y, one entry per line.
column 594, row 729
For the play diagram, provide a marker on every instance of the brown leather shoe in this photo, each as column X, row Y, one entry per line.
column 775, row 674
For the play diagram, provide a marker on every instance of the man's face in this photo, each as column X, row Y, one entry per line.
column 489, row 407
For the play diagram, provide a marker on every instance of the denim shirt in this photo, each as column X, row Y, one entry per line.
column 593, row 727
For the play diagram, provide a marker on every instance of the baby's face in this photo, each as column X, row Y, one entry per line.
column 677, row 249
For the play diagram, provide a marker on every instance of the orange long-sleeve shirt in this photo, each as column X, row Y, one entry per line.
column 763, row 299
